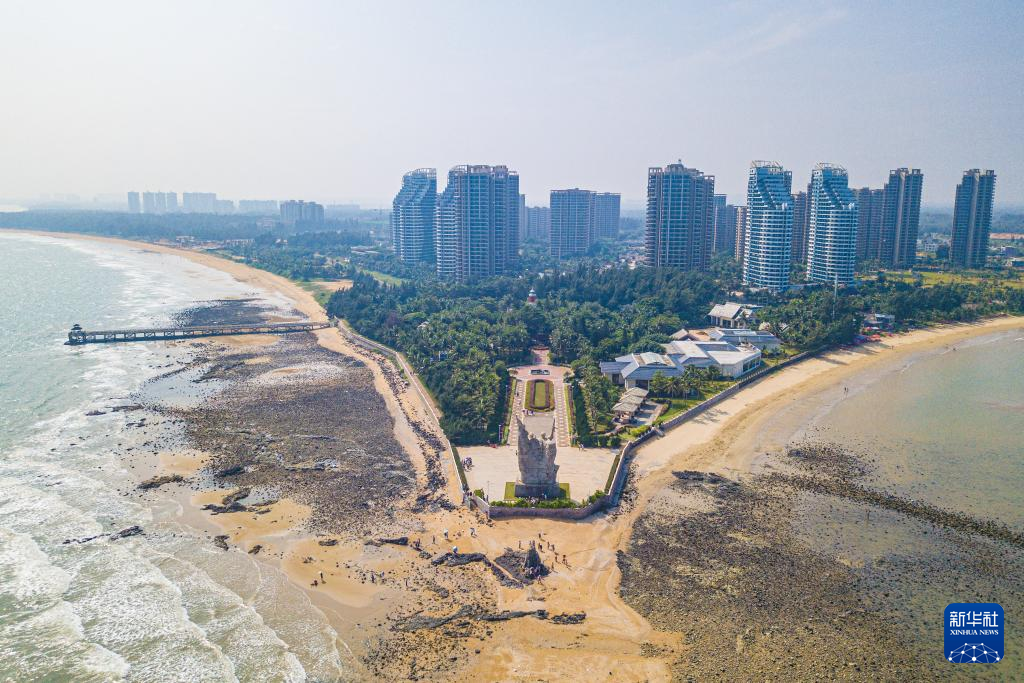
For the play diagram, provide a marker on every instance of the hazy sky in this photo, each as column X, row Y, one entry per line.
column 334, row 101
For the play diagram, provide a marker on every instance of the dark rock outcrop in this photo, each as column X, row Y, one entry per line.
column 157, row 482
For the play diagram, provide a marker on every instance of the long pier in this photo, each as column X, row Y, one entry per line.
column 77, row 335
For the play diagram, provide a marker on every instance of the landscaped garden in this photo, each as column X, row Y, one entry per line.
column 565, row 501
column 540, row 395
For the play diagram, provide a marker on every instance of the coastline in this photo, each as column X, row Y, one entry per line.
column 707, row 556
column 727, row 439
column 702, row 444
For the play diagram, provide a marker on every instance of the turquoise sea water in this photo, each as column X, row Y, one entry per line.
column 946, row 428
column 164, row 606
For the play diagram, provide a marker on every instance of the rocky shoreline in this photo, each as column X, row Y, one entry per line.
column 720, row 561
column 289, row 419
column 292, row 420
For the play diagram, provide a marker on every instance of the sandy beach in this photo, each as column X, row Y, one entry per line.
column 373, row 590
column 727, row 438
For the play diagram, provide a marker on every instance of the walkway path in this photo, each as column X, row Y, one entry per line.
column 540, row 423
column 518, row 402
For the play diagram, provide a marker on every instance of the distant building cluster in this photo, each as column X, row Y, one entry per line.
column 538, row 223
column 475, row 226
column 578, row 218
column 196, row 202
column 298, row 212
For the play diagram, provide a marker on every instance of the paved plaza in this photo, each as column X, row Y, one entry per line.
column 584, row 470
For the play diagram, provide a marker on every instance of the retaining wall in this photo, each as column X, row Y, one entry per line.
column 731, row 391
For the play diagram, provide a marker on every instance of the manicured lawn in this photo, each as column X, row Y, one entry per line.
column 320, row 290
column 678, row 405
column 540, row 395
column 382, row 277
column 940, row 278
column 675, row 406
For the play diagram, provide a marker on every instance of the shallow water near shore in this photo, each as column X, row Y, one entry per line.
column 944, row 428
column 166, row 605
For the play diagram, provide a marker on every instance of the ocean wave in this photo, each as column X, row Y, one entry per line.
column 42, row 635
column 164, row 606
column 254, row 647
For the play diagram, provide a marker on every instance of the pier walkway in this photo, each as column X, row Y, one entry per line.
column 77, row 335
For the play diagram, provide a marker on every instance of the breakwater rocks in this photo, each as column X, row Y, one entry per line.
column 158, row 481
column 829, row 459
column 716, row 560
column 432, row 447
column 832, row 470
column 806, row 572
column 957, row 521
column 128, row 532
column 469, row 612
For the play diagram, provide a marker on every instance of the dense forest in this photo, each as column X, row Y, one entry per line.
column 462, row 338
column 303, row 256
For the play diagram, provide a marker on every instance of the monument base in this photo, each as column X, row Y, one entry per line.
column 547, row 491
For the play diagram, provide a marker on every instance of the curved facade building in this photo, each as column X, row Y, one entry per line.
column 972, row 218
column 832, row 242
column 412, row 216
column 768, row 236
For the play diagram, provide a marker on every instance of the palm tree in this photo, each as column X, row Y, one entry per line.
column 691, row 380
column 660, row 385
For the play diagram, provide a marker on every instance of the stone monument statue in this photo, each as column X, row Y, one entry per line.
column 537, row 469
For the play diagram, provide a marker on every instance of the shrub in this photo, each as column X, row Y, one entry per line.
column 555, row 504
